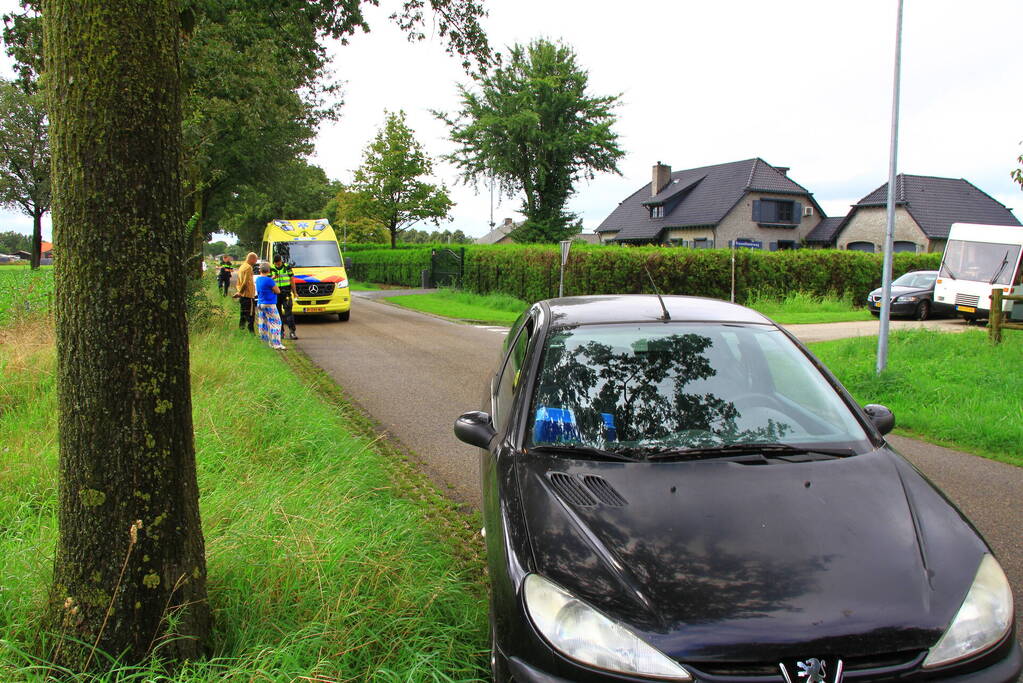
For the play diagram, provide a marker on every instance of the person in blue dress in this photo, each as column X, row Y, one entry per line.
column 267, row 320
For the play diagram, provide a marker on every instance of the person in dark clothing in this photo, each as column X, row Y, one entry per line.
column 224, row 269
column 282, row 275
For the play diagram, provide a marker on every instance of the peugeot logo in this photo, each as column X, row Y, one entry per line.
column 313, row 289
column 813, row 671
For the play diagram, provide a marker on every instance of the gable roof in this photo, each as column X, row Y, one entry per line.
column 825, row 231
column 498, row 233
column 936, row 203
column 695, row 197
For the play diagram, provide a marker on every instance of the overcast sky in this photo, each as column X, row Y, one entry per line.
column 800, row 83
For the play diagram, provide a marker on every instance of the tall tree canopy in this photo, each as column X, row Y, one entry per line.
column 130, row 569
column 389, row 180
column 353, row 217
column 532, row 127
column 25, row 157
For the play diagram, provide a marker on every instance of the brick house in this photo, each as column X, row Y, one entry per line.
column 925, row 208
column 713, row 206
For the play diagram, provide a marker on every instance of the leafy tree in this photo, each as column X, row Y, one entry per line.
column 352, row 216
column 25, row 157
column 11, row 242
column 129, row 572
column 388, row 180
column 534, row 129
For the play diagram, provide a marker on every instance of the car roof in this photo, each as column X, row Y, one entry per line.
column 615, row 308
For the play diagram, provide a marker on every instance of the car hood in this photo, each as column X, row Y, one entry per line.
column 720, row 561
column 901, row 291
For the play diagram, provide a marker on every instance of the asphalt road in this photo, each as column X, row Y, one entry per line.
column 415, row 374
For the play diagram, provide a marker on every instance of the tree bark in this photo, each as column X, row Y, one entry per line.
column 125, row 416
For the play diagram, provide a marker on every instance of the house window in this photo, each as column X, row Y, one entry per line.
column 787, row 244
column 904, row 246
column 777, row 211
column 703, row 243
column 861, row 246
column 657, row 211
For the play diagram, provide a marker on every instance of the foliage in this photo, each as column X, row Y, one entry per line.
column 930, row 394
column 530, row 272
column 435, row 237
column 24, row 156
column 25, row 294
column 330, row 558
column 299, row 191
column 532, row 128
column 347, row 213
column 387, row 187
column 11, row 242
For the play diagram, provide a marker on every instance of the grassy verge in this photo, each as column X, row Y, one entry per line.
column 799, row 308
column 957, row 390
column 24, row 293
column 495, row 309
column 330, row 557
column 363, row 286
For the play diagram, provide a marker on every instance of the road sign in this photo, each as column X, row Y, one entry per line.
column 748, row 244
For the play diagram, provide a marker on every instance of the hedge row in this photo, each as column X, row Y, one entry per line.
column 531, row 272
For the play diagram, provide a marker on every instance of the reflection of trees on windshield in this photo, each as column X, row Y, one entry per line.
column 644, row 391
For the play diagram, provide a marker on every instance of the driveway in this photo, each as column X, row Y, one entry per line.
column 415, row 374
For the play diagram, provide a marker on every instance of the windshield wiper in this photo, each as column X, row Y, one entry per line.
column 743, row 449
column 581, row 452
column 944, row 266
column 1005, row 260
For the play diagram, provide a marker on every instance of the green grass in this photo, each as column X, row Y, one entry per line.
column 495, row 309
column 957, row 390
column 799, row 308
column 330, row 557
column 363, row 286
column 24, row 293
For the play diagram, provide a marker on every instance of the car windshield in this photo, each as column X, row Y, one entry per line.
column 921, row 280
column 980, row 261
column 655, row 387
column 309, row 254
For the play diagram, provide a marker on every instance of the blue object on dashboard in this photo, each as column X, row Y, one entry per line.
column 610, row 431
column 555, row 425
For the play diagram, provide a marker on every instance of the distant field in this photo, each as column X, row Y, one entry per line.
column 24, row 292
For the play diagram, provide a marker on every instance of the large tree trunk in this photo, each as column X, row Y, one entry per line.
column 37, row 239
column 125, row 415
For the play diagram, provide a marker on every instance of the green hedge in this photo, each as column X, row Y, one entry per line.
column 531, row 272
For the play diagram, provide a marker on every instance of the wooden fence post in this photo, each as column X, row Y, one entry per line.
column 995, row 318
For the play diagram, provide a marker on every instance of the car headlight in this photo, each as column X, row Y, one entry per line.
column 342, row 284
column 582, row 633
column 983, row 619
column 907, row 299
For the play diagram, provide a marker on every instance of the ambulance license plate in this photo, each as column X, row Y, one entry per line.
column 315, row 309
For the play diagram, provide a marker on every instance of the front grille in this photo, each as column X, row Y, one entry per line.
column 314, row 288
column 967, row 300
column 322, row 301
column 885, row 663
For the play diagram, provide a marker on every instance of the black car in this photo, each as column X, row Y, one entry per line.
column 912, row 295
column 676, row 489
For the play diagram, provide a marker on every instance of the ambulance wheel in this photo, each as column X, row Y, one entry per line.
column 344, row 316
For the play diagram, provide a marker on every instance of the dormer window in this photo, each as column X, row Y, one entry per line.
column 657, row 211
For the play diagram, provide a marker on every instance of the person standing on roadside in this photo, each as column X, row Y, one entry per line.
column 267, row 293
column 245, row 292
column 281, row 273
column 224, row 270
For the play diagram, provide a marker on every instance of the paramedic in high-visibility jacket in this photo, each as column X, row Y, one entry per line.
column 282, row 274
column 224, row 270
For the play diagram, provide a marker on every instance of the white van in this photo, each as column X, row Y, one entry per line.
column 977, row 259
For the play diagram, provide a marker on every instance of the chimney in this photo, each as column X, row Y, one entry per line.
column 661, row 178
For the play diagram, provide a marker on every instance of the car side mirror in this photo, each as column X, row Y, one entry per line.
column 883, row 419
column 475, row 428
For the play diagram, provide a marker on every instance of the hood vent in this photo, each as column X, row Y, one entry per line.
column 604, row 492
column 586, row 490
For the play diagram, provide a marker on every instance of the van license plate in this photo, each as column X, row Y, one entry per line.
column 315, row 309
column 966, row 309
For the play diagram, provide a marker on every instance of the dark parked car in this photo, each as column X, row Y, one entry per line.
column 912, row 295
column 684, row 493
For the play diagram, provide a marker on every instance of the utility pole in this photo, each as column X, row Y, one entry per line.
column 889, row 237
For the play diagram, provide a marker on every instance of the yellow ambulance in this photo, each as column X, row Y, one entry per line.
column 320, row 284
